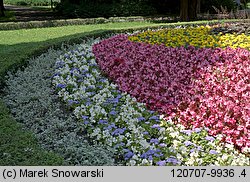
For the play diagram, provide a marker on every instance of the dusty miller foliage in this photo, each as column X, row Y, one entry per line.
column 33, row 103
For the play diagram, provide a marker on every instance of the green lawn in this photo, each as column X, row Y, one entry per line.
column 18, row 45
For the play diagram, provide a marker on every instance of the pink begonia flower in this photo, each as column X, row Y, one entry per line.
column 194, row 87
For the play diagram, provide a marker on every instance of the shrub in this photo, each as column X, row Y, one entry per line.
column 92, row 9
column 207, row 5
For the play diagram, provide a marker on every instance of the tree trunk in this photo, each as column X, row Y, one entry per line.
column 1, row 8
column 184, row 10
column 198, row 6
column 188, row 10
column 192, row 9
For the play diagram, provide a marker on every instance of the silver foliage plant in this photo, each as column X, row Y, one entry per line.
column 33, row 103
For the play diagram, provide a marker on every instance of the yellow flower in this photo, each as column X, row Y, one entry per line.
column 198, row 37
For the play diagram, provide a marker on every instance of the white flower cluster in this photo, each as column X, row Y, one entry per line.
column 140, row 137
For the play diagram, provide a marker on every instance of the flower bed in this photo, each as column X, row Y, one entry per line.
column 117, row 119
column 195, row 87
column 200, row 37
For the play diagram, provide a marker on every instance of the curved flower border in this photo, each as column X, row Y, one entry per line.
column 139, row 136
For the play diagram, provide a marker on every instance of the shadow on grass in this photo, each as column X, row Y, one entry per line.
column 9, row 16
column 19, row 147
column 15, row 56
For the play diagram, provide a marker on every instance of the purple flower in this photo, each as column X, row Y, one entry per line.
column 187, row 132
column 150, row 158
column 145, row 133
column 115, row 100
column 85, row 117
column 61, row 85
column 91, row 87
column 213, row 152
column 154, row 118
column 102, row 80
column 197, row 130
column 187, row 143
column 172, row 160
column 154, row 140
column 119, row 96
column 158, row 155
column 86, row 122
column 144, row 156
column 118, row 131
column 88, row 103
column 162, row 145
column 128, row 155
column 112, row 125
column 88, row 75
column 211, row 139
column 93, row 65
column 141, row 118
column 199, row 148
column 192, row 150
column 73, row 102
column 73, row 69
column 112, row 113
column 161, row 163
column 150, row 152
column 103, row 121
column 156, row 126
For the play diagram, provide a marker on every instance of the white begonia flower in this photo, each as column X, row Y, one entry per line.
column 229, row 146
column 190, row 161
column 176, row 143
column 194, row 154
column 224, row 157
column 219, row 148
column 145, row 162
column 180, row 127
column 179, row 157
column 132, row 162
column 170, row 129
column 174, row 134
column 246, row 150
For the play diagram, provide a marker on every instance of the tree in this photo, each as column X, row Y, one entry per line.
column 188, row 10
column 198, row 6
column 1, row 8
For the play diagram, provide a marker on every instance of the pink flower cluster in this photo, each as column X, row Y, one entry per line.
column 195, row 87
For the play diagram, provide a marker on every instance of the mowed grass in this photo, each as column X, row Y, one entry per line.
column 17, row 45
column 18, row 147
